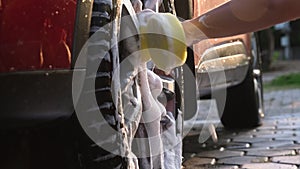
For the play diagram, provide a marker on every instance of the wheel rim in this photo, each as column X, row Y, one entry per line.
column 258, row 93
column 257, row 76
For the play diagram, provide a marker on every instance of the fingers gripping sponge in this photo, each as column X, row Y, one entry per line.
column 163, row 39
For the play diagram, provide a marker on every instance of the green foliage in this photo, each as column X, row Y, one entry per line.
column 284, row 82
column 290, row 79
column 276, row 55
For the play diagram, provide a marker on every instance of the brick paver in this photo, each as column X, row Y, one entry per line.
column 274, row 145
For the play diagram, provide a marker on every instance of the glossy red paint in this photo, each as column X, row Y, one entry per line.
column 36, row 34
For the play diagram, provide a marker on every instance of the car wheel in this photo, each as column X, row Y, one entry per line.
column 243, row 105
column 98, row 123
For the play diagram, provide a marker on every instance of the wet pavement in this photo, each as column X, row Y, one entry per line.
column 274, row 145
column 271, row 146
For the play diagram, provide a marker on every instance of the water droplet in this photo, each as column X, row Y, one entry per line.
column 50, row 66
column 213, row 162
column 47, row 74
column 193, row 155
column 260, row 160
column 85, row 15
column 20, row 43
column 56, row 12
column 11, row 68
column 222, row 149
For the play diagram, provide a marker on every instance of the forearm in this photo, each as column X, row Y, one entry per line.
column 242, row 16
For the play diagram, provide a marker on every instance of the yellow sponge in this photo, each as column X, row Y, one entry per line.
column 163, row 38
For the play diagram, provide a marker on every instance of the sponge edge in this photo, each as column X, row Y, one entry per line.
column 164, row 40
column 143, row 18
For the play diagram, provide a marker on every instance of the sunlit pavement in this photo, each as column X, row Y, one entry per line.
column 274, row 145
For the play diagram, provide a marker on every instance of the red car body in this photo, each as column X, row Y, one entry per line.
column 36, row 34
column 36, row 42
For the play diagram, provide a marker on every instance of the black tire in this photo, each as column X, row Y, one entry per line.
column 242, row 107
column 90, row 154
